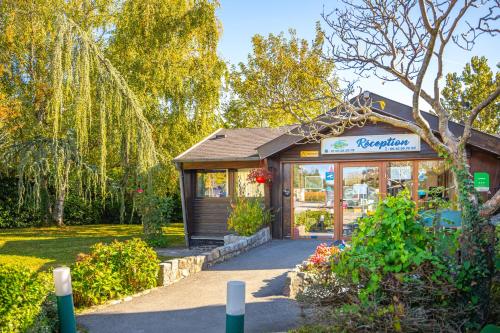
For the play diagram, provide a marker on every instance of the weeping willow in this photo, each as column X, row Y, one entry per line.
column 94, row 118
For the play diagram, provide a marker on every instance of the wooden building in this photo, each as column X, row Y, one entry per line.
column 321, row 189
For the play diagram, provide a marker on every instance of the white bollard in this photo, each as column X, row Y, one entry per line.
column 235, row 307
column 64, row 295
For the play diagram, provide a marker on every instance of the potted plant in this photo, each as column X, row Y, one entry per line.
column 260, row 175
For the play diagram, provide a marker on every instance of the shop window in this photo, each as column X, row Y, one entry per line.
column 211, row 184
column 245, row 188
column 399, row 177
column 434, row 181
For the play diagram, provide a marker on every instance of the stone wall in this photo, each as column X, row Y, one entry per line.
column 174, row 270
column 296, row 281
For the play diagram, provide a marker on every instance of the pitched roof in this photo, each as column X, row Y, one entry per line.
column 485, row 141
column 236, row 144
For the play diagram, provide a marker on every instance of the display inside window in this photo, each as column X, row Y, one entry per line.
column 211, row 184
column 313, row 200
column 399, row 177
column 434, row 182
column 247, row 188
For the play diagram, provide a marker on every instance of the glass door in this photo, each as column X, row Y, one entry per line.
column 313, row 200
column 360, row 191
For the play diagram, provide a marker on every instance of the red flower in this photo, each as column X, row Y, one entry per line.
column 140, row 190
column 260, row 175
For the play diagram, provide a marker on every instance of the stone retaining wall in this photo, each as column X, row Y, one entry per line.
column 296, row 281
column 174, row 270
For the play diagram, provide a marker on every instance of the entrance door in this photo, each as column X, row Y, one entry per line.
column 313, row 200
column 360, row 189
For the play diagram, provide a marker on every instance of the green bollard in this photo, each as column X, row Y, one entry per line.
column 64, row 295
column 235, row 307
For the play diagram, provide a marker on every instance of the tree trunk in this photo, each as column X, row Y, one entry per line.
column 58, row 212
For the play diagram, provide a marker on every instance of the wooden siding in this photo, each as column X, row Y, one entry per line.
column 481, row 161
column 287, row 200
column 275, row 199
column 220, row 165
column 210, row 216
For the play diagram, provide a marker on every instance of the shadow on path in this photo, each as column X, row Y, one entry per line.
column 278, row 315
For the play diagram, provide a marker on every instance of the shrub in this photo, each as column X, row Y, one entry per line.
column 395, row 277
column 156, row 212
column 247, row 216
column 310, row 218
column 22, row 294
column 113, row 270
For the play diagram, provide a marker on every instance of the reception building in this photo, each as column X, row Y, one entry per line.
column 320, row 190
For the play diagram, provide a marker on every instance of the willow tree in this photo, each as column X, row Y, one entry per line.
column 405, row 42
column 167, row 50
column 91, row 111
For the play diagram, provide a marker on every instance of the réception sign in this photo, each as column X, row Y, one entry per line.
column 387, row 143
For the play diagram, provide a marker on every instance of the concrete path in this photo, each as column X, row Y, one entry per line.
column 197, row 304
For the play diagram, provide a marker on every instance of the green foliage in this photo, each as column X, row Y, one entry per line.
column 156, row 212
column 157, row 64
column 113, row 270
column 310, row 218
column 22, row 294
column 465, row 91
column 282, row 77
column 389, row 241
column 247, row 216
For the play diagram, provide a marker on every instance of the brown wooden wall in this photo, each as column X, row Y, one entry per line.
column 208, row 216
column 481, row 161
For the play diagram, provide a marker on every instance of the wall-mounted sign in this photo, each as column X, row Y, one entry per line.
column 309, row 153
column 401, row 172
column 388, row 143
column 482, row 181
column 329, row 176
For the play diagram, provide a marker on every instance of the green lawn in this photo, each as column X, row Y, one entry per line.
column 42, row 248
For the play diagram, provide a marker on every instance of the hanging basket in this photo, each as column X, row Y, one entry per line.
column 260, row 176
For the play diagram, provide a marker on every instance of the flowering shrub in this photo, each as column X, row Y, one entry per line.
column 322, row 257
column 260, row 175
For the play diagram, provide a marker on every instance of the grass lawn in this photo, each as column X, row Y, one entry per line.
column 42, row 248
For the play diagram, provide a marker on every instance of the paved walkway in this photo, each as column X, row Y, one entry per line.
column 197, row 304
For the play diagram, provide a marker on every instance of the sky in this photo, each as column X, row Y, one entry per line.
column 241, row 19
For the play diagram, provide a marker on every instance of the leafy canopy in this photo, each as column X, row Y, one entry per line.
column 285, row 79
column 465, row 91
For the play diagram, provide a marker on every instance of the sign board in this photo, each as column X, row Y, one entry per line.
column 360, row 189
column 387, row 143
column 309, row 153
column 313, row 183
column 329, row 176
column 482, row 181
column 400, row 172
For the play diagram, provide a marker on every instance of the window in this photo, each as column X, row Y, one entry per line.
column 211, row 184
column 399, row 176
column 434, row 179
column 244, row 188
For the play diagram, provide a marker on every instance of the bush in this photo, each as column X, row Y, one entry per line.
column 395, row 277
column 22, row 296
column 113, row 270
column 310, row 218
column 247, row 216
